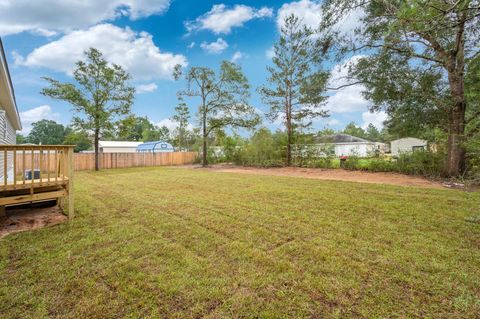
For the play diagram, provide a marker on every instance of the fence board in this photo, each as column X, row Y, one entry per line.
column 86, row 161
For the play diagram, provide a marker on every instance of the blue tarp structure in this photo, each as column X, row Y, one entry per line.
column 155, row 147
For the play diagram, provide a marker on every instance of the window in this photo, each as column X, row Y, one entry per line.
column 418, row 148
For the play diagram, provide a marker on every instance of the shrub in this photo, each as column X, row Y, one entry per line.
column 423, row 163
column 352, row 163
column 263, row 150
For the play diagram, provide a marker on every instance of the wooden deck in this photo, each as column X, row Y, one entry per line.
column 51, row 166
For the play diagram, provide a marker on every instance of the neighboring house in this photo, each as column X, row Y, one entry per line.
column 118, row 146
column 407, row 145
column 155, row 147
column 9, row 117
column 348, row 145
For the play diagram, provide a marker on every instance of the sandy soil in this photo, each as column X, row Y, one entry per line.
column 30, row 218
column 332, row 174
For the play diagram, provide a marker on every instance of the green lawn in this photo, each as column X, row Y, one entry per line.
column 178, row 243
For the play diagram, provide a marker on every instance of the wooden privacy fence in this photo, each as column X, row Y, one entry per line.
column 86, row 161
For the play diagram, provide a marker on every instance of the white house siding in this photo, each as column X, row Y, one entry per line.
column 355, row 149
column 406, row 145
column 7, row 136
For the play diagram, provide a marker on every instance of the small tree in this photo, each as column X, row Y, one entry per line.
column 296, row 83
column 100, row 94
column 223, row 99
column 181, row 117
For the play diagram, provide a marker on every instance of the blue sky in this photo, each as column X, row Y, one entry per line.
column 148, row 37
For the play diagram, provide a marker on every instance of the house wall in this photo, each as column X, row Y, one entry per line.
column 357, row 149
column 406, row 145
column 7, row 136
column 119, row 149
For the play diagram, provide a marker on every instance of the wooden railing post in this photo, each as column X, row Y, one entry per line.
column 70, row 170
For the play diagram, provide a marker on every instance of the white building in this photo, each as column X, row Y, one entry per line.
column 9, row 117
column 347, row 145
column 407, row 145
column 118, row 146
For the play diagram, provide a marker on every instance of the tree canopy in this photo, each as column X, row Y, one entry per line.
column 296, row 85
column 101, row 93
column 416, row 54
column 223, row 99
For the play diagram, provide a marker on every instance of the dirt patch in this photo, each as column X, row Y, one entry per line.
column 23, row 219
column 332, row 174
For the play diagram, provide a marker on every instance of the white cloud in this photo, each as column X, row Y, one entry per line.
column 171, row 125
column 42, row 112
column 348, row 99
column 270, row 53
column 221, row 19
column 146, row 88
column 46, row 17
column 236, row 57
column 216, row 47
column 333, row 122
column 310, row 13
column 134, row 51
column 191, row 45
column 376, row 119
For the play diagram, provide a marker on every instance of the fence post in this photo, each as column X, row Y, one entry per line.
column 71, row 212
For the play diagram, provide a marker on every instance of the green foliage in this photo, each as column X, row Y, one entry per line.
column 20, row 139
column 101, row 93
column 354, row 130
column 134, row 128
column 414, row 58
column 224, row 99
column 80, row 139
column 421, row 163
column 372, row 133
column 296, row 85
column 181, row 117
column 47, row 132
column 264, row 149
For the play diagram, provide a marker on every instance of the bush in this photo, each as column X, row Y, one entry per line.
column 421, row 163
column 263, row 150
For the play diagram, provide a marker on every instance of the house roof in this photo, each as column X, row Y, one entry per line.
column 118, row 144
column 157, row 145
column 340, row 138
column 7, row 98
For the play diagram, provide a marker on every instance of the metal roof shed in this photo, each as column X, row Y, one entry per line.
column 155, row 147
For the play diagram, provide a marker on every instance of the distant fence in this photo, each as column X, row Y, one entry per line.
column 86, row 161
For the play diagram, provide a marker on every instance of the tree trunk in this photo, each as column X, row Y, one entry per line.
column 97, row 158
column 204, row 119
column 289, row 140
column 456, row 138
column 456, row 135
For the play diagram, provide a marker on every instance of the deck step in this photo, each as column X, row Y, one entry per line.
column 31, row 198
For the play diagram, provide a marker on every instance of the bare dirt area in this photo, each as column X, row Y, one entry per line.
column 23, row 219
column 332, row 174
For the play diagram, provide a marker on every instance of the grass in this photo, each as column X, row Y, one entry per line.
column 177, row 243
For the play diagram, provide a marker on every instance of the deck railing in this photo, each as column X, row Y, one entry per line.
column 45, row 170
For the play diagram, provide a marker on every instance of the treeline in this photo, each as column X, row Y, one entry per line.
column 131, row 128
column 418, row 63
